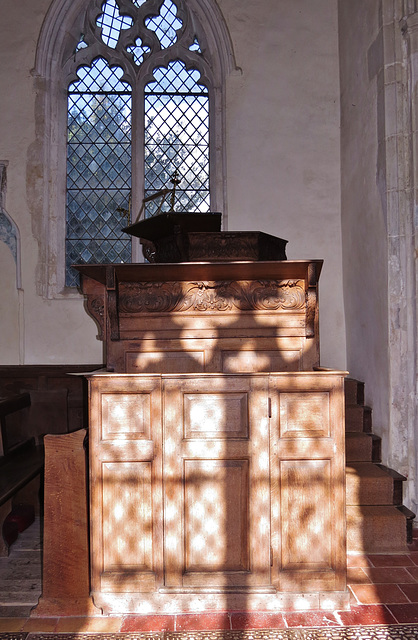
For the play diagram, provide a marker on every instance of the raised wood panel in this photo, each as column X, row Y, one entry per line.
column 261, row 361
column 304, row 414
column 127, row 516
column 126, row 416
column 171, row 326
column 165, row 362
column 306, row 492
column 216, row 415
column 216, row 516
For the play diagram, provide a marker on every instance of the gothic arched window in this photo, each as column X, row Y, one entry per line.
column 129, row 91
column 141, row 98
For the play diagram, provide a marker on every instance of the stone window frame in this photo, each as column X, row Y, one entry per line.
column 58, row 39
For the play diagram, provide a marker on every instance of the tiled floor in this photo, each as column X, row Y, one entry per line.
column 383, row 589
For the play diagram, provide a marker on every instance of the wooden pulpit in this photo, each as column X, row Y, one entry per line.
column 216, row 448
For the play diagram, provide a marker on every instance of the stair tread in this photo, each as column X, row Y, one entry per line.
column 375, row 510
column 367, row 484
column 359, row 434
column 376, row 529
column 376, row 520
column 367, row 470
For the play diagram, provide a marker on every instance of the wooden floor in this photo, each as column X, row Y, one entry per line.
column 384, row 590
column 20, row 574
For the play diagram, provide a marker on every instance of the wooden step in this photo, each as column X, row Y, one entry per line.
column 376, row 529
column 358, row 418
column 410, row 517
column 368, row 484
column 376, row 520
column 398, row 481
column 362, row 447
column 354, row 391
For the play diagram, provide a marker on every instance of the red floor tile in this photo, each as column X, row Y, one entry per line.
column 357, row 575
column 367, row 614
column 148, row 623
column 414, row 572
column 253, row 620
column 404, row 613
column 411, row 591
column 202, row 621
column 310, row 619
column 384, row 560
column 395, row 575
column 378, row 593
column 414, row 557
column 357, row 561
column 414, row 544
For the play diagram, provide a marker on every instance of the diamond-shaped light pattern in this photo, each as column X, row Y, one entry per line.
column 98, row 169
column 138, row 51
column 177, row 138
column 112, row 22
column 165, row 24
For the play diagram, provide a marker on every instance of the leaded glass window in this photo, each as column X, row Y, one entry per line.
column 98, row 167
column 138, row 103
column 177, row 137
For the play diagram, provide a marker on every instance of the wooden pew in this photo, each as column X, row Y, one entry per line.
column 19, row 464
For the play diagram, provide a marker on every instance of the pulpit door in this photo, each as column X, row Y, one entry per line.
column 216, row 482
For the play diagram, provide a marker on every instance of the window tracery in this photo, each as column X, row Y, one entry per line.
column 72, row 38
column 174, row 106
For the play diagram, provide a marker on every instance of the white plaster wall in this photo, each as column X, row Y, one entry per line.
column 364, row 229
column 283, row 159
column 57, row 331
column 283, row 162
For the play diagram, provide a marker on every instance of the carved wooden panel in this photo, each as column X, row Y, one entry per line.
column 211, row 296
column 140, row 307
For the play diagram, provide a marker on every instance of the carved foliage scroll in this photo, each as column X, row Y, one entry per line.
column 168, row 297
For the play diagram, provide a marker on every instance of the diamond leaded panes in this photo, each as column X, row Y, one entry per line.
column 98, row 167
column 175, row 116
column 177, row 137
